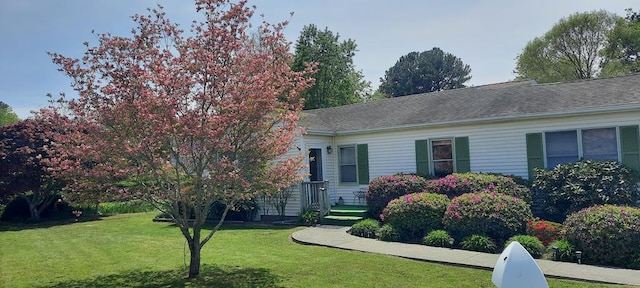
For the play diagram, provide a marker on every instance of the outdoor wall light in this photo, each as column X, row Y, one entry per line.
column 329, row 149
column 579, row 256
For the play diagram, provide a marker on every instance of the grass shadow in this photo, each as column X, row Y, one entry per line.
column 210, row 276
column 19, row 226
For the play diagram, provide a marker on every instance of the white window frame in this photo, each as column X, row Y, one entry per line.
column 579, row 139
column 355, row 164
column 432, row 161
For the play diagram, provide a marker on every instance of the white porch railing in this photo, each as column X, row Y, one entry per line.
column 315, row 195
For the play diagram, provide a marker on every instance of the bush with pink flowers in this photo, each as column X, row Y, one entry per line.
column 386, row 188
column 606, row 234
column 416, row 214
column 492, row 214
column 457, row 184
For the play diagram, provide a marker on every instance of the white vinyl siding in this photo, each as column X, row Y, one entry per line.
column 498, row 147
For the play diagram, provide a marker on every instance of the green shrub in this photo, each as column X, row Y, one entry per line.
column 479, row 243
column 123, row 207
column 545, row 231
column 456, row 184
column 163, row 215
column 309, row 217
column 438, row 238
column 606, row 234
column 532, row 244
column 496, row 215
column 568, row 188
column 388, row 233
column 241, row 211
column 16, row 210
column 416, row 214
column 565, row 250
column 386, row 188
column 366, row 228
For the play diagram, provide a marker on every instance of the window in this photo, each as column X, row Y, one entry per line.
column 600, row 144
column 348, row 168
column 354, row 164
column 618, row 143
column 442, row 152
column 562, row 147
column 441, row 157
column 570, row 146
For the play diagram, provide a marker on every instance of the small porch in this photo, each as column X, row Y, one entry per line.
column 315, row 196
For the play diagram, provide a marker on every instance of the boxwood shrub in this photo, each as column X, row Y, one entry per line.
column 414, row 215
column 479, row 243
column 568, row 188
column 367, row 228
column 532, row 244
column 386, row 188
column 606, row 234
column 388, row 233
column 565, row 251
column 438, row 238
column 495, row 215
column 456, row 184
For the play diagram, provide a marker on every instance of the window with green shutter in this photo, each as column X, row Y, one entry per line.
column 535, row 153
column 422, row 157
column 363, row 164
column 630, row 146
column 440, row 157
column 353, row 163
column 463, row 163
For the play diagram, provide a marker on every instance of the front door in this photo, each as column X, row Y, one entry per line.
column 315, row 165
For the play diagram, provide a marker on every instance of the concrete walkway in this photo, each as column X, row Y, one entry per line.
column 337, row 237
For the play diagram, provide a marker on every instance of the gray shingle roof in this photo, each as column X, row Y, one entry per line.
column 509, row 100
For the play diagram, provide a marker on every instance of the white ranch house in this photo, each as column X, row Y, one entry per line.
column 506, row 128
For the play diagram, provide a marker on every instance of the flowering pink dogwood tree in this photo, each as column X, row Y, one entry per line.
column 186, row 118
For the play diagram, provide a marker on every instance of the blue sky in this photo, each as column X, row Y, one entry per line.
column 486, row 35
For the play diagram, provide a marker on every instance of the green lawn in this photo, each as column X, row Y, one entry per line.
column 130, row 250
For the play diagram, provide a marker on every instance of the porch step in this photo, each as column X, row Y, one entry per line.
column 344, row 215
column 340, row 220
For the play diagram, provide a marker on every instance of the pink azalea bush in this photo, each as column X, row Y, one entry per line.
column 416, row 214
column 386, row 188
column 606, row 234
column 493, row 214
column 457, row 184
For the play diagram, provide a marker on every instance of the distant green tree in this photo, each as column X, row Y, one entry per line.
column 623, row 46
column 337, row 80
column 569, row 51
column 427, row 71
column 7, row 116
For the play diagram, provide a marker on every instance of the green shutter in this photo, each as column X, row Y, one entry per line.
column 363, row 164
column 422, row 157
column 630, row 144
column 463, row 163
column 535, row 153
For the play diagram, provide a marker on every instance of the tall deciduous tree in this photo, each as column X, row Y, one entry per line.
column 7, row 116
column 337, row 82
column 26, row 150
column 189, row 119
column 423, row 72
column 569, row 51
column 622, row 53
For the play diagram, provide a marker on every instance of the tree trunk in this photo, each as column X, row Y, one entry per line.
column 194, row 263
column 33, row 210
